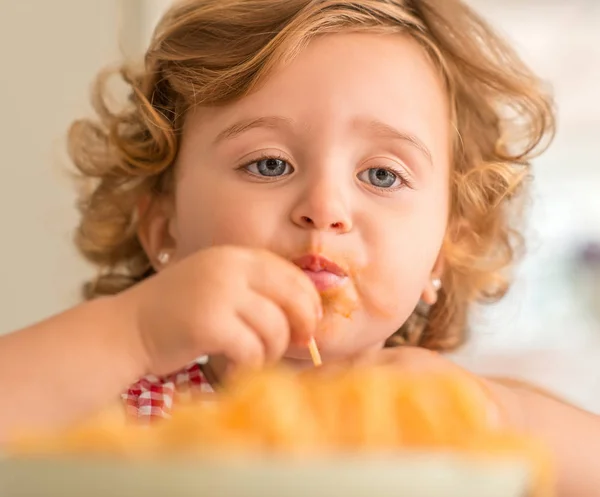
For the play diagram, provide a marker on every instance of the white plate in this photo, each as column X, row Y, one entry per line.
column 410, row 475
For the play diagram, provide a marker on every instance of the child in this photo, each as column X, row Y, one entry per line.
column 288, row 170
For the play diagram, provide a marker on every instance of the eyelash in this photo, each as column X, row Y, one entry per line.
column 405, row 181
column 402, row 176
column 263, row 156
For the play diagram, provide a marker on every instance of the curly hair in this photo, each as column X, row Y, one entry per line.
column 210, row 52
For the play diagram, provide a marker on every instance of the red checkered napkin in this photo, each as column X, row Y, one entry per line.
column 152, row 397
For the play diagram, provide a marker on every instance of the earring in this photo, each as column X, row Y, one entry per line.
column 437, row 284
column 163, row 257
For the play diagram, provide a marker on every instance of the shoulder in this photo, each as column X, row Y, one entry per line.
column 573, row 375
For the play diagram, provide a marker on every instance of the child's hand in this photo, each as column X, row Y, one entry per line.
column 247, row 305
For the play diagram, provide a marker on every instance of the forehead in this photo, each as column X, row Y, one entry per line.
column 340, row 79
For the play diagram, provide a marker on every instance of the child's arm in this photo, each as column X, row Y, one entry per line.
column 67, row 366
column 217, row 301
column 572, row 434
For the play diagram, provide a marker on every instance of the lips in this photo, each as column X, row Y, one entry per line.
column 323, row 272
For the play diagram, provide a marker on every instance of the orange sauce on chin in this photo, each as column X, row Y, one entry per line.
column 338, row 301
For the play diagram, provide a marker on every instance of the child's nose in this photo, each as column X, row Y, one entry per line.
column 323, row 209
column 310, row 223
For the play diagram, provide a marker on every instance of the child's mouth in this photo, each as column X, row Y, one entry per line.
column 324, row 273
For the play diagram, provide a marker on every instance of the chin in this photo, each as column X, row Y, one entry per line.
column 331, row 350
column 295, row 353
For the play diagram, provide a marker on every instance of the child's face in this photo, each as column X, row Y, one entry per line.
column 357, row 127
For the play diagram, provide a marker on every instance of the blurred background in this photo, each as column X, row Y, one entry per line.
column 50, row 52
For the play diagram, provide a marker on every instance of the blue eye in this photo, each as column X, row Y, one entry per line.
column 380, row 177
column 269, row 167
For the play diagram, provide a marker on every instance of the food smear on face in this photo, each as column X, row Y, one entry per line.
column 332, row 274
column 341, row 300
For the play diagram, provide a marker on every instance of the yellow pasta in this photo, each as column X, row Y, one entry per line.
column 369, row 410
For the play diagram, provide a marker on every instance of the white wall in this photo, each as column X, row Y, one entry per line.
column 49, row 51
column 560, row 40
column 152, row 12
column 138, row 20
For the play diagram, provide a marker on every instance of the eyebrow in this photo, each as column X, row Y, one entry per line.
column 244, row 125
column 383, row 130
column 374, row 126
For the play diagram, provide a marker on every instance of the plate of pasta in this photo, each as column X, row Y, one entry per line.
column 354, row 433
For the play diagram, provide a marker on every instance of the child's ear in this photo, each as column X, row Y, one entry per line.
column 434, row 284
column 156, row 229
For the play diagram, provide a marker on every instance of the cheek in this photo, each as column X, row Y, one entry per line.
column 211, row 211
column 403, row 249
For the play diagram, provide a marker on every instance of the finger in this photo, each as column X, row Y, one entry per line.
column 240, row 345
column 291, row 275
column 285, row 284
column 264, row 317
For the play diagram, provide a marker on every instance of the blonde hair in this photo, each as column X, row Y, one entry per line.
column 207, row 52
